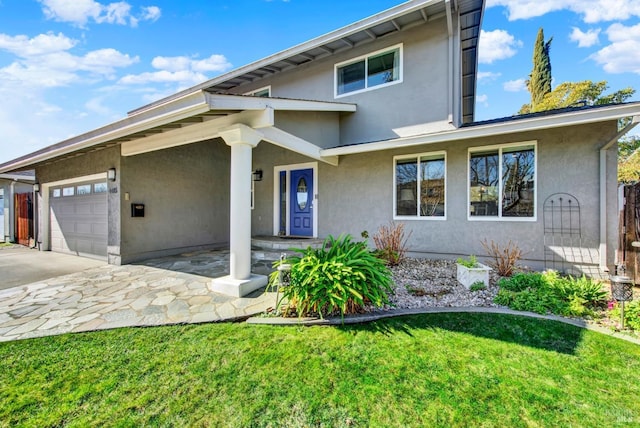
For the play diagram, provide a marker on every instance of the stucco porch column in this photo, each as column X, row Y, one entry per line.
column 240, row 282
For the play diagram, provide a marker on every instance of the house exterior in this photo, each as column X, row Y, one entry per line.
column 16, row 207
column 365, row 125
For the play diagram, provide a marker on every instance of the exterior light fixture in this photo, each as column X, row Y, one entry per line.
column 257, row 175
column 36, row 187
column 111, row 174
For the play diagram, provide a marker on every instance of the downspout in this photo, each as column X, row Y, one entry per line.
column 603, row 190
column 450, row 67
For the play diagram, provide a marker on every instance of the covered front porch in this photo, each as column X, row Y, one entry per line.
column 242, row 123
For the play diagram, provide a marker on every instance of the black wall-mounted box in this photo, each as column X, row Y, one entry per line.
column 137, row 210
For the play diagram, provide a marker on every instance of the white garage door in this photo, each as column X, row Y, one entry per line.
column 79, row 219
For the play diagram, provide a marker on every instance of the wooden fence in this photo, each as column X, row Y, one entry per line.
column 630, row 231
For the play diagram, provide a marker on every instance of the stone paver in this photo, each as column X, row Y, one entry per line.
column 109, row 296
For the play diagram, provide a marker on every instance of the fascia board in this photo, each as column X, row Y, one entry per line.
column 488, row 130
column 196, row 132
column 241, row 102
column 288, row 141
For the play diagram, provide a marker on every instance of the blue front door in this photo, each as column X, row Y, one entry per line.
column 301, row 204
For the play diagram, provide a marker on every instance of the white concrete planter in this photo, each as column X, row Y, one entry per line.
column 467, row 276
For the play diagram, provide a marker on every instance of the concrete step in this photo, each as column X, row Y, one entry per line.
column 276, row 244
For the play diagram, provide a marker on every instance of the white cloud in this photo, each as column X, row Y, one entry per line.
column 482, row 99
column 585, row 40
column 180, row 69
column 621, row 55
column 80, row 12
column 517, row 85
column 150, row 13
column 45, row 60
column 487, row 75
column 41, row 44
column 496, row 45
column 592, row 11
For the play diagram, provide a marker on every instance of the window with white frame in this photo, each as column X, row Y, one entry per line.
column 502, row 181
column 375, row 70
column 420, row 186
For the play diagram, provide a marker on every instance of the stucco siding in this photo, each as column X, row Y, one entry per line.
column 420, row 98
column 357, row 195
column 185, row 191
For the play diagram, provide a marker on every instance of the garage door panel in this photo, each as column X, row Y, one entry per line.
column 100, row 208
column 79, row 223
column 84, row 228
column 83, row 209
column 99, row 229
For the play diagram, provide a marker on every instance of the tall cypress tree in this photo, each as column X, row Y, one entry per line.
column 539, row 83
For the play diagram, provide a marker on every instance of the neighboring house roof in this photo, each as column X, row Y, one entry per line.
column 507, row 125
column 398, row 18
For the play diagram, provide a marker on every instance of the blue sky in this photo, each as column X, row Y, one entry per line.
column 69, row 66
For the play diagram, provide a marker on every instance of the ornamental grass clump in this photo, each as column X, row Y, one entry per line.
column 342, row 278
column 391, row 243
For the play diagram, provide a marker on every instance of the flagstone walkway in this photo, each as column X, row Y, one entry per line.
column 118, row 296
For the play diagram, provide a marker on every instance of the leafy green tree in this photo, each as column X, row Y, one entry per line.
column 574, row 94
column 539, row 83
column 629, row 159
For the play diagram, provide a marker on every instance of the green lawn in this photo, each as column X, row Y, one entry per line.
column 427, row 370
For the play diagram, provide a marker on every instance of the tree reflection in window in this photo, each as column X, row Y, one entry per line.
column 511, row 169
column 423, row 176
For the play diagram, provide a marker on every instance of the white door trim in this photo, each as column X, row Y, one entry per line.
column 276, row 195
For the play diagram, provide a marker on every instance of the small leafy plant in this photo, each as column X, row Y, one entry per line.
column 470, row 263
column 477, row 286
column 631, row 314
column 341, row 277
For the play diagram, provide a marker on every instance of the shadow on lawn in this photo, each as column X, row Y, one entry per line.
column 533, row 332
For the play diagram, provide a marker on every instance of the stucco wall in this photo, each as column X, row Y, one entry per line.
column 420, row 98
column 185, row 191
column 357, row 195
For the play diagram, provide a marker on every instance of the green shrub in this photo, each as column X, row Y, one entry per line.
column 523, row 281
column 341, row 277
column 631, row 314
column 550, row 292
column 477, row 286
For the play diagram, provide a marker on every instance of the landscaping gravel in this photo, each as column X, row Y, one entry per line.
column 422, row 283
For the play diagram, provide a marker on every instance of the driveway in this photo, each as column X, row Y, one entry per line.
column 21, row 265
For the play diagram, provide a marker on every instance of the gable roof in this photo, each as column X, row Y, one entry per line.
column 206, row 100
column 395, row 19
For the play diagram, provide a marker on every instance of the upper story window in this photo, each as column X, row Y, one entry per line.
column 262, row 92
column 502, row 182
column 375, row 70
column 420, row 185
